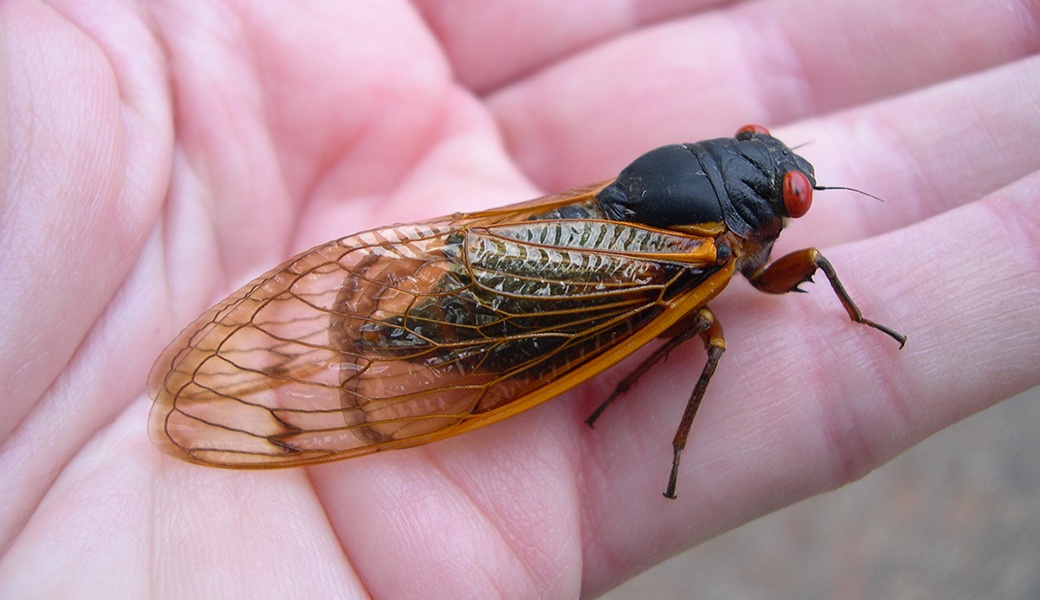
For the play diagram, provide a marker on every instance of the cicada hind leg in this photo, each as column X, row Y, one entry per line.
column 703, row 324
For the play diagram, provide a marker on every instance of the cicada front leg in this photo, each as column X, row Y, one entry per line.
column 788, row 272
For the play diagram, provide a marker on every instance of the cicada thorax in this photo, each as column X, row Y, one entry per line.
column 481, row 314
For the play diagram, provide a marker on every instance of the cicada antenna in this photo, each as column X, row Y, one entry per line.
column 838, row 187
column 835, row 187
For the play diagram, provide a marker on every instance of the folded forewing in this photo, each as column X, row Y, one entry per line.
column 397, row 336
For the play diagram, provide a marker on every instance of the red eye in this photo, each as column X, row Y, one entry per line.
column 797, row 194
column 753, row 129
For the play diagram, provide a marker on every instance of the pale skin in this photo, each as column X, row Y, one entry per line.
column 158, row 154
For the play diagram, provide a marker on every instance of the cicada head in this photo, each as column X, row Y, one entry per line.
column 769, row 171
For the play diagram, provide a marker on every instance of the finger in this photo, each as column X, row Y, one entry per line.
column 805, row 402
column 485, row 55
column 768, row 62
column 923, row 153
column 84, row 166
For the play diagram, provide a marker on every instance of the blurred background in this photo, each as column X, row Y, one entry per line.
column 955, row 517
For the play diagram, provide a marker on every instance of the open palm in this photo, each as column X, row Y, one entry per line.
column 156, row 155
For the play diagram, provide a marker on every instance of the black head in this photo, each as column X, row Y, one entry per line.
column 751, row 182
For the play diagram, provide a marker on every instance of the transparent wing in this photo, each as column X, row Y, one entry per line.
column 398, row 336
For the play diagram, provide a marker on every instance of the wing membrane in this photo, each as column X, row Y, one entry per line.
column 398, row 336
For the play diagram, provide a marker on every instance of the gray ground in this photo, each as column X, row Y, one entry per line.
column 956, row 517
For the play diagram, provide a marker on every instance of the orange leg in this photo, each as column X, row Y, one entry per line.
column 704, row 325
column 716, row 345
column 788, row 272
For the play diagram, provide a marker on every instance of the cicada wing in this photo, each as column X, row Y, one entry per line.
column 258, row 380
column 398, row 336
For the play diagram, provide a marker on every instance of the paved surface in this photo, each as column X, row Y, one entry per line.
column 956, row 517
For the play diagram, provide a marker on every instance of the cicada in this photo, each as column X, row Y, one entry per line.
column 408, row 334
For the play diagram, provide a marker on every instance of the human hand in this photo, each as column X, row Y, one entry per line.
column 159, row 155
